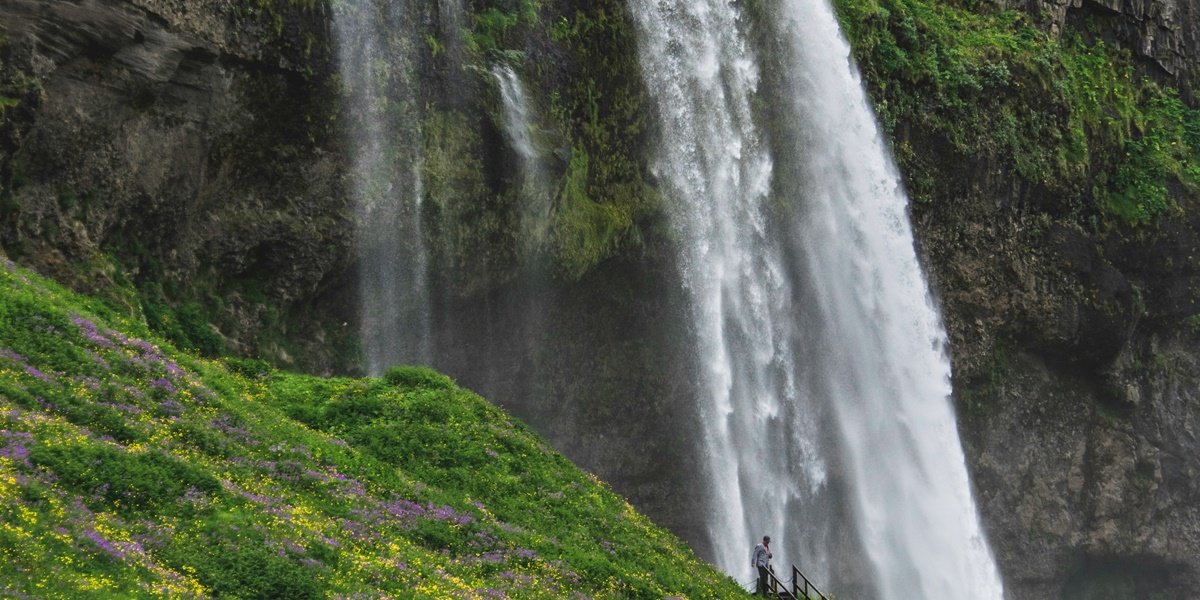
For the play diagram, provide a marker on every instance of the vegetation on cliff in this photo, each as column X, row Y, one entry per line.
column 1069, row 113
column 130, row 469
column 590, row 121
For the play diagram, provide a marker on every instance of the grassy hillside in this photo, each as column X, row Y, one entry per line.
column 128, row 469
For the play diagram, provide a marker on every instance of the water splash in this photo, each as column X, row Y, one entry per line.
column 373, row 50
column 828, row 413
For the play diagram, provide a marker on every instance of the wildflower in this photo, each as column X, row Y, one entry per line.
column 36, row 373
column 91, row 333
column 171, row 408
column 101, row 542
column 17, row 452
column 162, row 384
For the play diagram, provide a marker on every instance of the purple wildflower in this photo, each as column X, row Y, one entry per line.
column 163, row 384
column 36, row 373
column 99, row 360
column 171, row 408
column 103, row 543
column 193, row 496
column 17, row 452
column 125, row 408
column 448, row 515
column 89, row 331
column 10, row 355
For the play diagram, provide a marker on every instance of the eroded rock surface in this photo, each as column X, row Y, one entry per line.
column 190, row 141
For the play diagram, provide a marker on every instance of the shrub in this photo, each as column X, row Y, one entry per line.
column 110, row 476
column 418, row 377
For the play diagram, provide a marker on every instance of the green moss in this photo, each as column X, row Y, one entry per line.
column 586, row 231
column 491, row 28
column 187, row 324
column 472, row 228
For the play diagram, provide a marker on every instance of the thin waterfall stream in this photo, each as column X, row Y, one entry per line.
column 370, row 39
column 810, row 311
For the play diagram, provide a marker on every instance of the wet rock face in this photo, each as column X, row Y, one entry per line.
column 185, row 138
column 1083, row 500
column 1076, row 375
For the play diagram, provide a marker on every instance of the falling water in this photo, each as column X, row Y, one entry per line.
column 516, row 115
column 827, row 412
column 533, row 189
column 372, row 49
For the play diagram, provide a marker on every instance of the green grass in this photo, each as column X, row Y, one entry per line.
column 130, row 469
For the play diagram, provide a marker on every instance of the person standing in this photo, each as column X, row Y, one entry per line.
column 761, row 559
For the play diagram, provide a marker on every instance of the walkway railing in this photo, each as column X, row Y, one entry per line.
column 800, row 589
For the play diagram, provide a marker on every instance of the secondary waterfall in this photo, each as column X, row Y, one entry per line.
column 516, row 115
column 828, row 410
column 371, row 39
column 519, row 125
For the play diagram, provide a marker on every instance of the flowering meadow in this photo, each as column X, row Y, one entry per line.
column 131, row 470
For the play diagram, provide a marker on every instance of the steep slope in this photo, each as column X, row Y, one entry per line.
column 130, row 469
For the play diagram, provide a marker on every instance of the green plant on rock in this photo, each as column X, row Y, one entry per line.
column 1068, row 115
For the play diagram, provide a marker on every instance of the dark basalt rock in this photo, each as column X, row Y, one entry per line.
column 188, row 140
column 1078, row 383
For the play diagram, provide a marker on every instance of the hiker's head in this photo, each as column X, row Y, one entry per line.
column 766, row 539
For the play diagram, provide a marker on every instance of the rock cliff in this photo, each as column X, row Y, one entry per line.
column 1163, row 34
column 1077, row 375
column 181, row 152
column 1074, row 344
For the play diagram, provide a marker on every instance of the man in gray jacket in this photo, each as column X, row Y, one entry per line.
column 761, row 558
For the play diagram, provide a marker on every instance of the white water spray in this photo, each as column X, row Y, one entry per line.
column 395, row 324
column 810, row 310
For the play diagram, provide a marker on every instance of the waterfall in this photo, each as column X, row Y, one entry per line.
column 516, row 115
column 827, row 412
column 373, row 54
column 533, row 188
